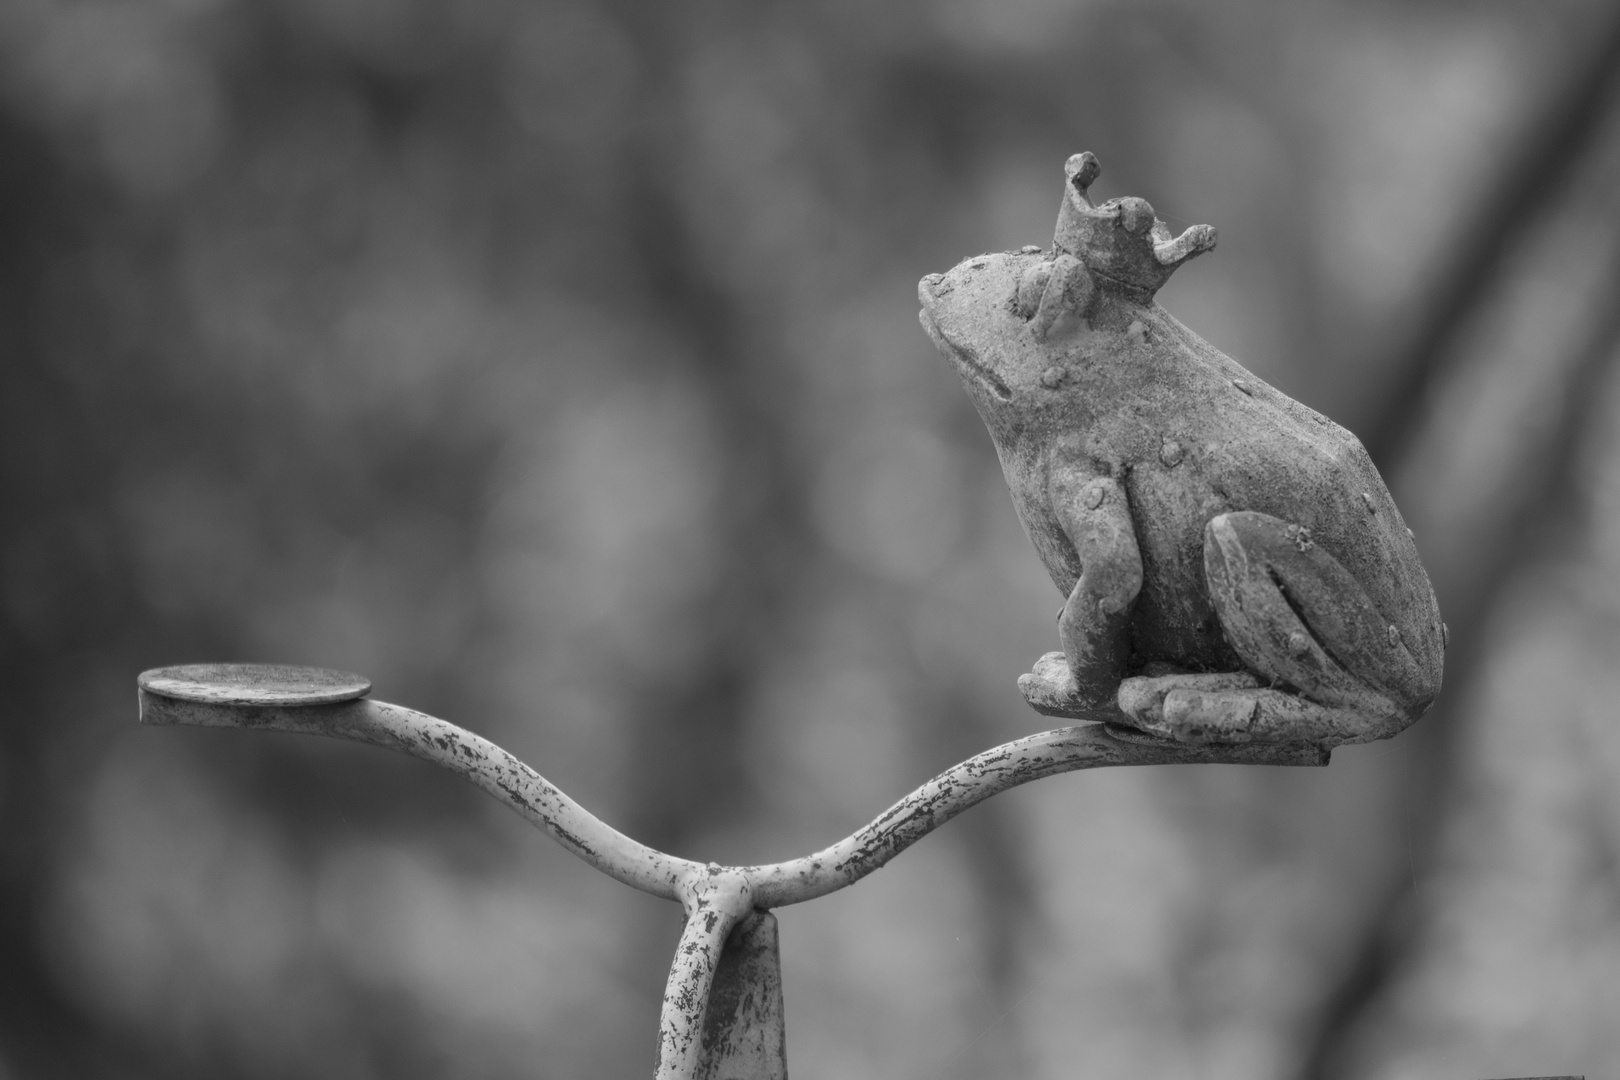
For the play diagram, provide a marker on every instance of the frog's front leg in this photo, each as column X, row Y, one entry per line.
column 1094, row 625
column 1338, row 670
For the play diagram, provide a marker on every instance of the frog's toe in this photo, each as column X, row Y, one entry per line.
column 1143, row 698
column 1051, row 690
column 1208, row 716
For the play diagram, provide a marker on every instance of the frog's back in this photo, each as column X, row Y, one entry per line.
column 1213, row 439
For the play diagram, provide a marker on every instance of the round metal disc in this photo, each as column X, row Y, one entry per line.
column 254, row 684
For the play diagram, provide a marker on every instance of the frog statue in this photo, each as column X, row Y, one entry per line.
column 1235, row 568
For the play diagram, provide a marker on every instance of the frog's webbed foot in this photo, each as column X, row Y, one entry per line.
column 1052, row 690
column 1232, row 707
column 1191, row 707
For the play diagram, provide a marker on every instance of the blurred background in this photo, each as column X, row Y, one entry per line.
column 556, row 365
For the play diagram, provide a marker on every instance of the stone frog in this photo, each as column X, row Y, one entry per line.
column 1234, row 567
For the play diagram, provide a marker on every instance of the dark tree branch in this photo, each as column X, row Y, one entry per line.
column 1554, row 143
column 1528, row 529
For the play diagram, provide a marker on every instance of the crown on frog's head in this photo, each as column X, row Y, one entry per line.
column 1121, row 240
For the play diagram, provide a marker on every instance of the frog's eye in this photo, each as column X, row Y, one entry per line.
column 1031, row 287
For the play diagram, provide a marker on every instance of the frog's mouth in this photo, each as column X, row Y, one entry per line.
column 965, row 358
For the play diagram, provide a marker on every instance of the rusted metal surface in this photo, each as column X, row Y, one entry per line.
column 716, row 900
column 462, row 752
column 1088, row 746
column 722, row 1012
column 744, row 1032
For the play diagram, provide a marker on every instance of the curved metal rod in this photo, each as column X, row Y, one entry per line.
column 716, row 897
column 1087, row 746
column 460, row 751
column 715, row 902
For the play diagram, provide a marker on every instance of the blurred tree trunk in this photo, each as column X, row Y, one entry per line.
column 1550, row 218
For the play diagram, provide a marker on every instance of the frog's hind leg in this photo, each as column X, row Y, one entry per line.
column 1326, row 666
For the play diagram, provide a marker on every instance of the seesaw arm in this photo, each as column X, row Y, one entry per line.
column 716, row 898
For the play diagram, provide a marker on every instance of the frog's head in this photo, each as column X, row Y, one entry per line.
column 970, row 313
column 1122, row 242
column 1008, row 320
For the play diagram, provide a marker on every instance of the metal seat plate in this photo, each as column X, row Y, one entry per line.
column 254, row 684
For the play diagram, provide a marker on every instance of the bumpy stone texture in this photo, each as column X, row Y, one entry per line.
column 1234, row 566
